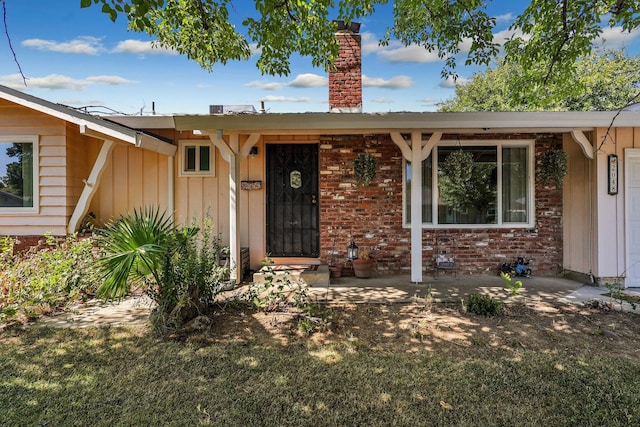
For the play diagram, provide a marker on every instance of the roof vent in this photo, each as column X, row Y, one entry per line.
column 232, row 109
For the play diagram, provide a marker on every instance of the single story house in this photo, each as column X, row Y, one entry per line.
column 283, row 185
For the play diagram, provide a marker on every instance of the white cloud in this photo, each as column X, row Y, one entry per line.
column 382, row 100
column 451, row 82
column 428, row 101
column 507, row 17
column 502, row 36
column 265, row 85
column 397, row 82
column 58, row 81
column 413, row 53
column 272, row 98
column 107, row 80
column 370, row 43
column 255, row 50
column 139, row 47
column 308, row 80
column 617, row 38
column 81, row 45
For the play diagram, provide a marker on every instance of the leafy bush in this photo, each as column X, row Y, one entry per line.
column 177, row 268
column 47, row 278
column 483, row 305
column 277, row 290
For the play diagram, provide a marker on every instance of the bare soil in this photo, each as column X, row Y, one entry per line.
column 422, row 326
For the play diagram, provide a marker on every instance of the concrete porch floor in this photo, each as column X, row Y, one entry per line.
column 446, row 288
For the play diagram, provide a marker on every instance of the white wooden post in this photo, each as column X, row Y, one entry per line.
column 415, row 153
column 416, row 207
column 234, row 211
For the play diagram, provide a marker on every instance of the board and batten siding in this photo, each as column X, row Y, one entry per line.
column 133, row 178
column 62, row 154
column 594, row 221
column 610, row 209
column 578, row 226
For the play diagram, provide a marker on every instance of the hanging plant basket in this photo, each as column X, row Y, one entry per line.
column 553, row 166
column 364, row 168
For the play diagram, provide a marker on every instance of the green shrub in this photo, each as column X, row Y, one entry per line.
column 277, row 290
column 46, row 279
column 177, row 268
column 484, row 305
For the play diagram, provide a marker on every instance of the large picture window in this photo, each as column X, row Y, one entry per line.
column 487, row 183
column 18, row 173
column 196, row 158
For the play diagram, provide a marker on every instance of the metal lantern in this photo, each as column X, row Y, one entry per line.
column 352, row 250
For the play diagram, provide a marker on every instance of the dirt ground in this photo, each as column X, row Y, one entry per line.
column 422, row 326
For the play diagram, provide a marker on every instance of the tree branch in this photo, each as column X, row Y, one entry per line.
column 203, row 16
column 6, row 31
column 607, row 133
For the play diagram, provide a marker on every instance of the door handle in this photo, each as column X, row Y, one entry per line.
column 314, row 199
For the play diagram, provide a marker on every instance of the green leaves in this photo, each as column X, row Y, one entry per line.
column 601, row 81
column 364, row 168
column 135, row 245
column 215, row 31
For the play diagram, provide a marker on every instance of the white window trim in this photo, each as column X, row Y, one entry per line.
column 197, row 143
column 33, row 139
column 499, row 144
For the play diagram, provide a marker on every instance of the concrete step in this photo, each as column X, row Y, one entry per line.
column 311, row 274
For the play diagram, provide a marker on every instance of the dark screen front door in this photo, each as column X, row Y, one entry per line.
column 292, row 200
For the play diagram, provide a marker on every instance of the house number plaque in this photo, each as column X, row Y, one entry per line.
column 295, row 179
column 613, row 174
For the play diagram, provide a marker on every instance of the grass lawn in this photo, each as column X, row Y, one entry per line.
column 120, row 376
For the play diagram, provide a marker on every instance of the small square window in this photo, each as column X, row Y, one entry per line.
column 196, row 158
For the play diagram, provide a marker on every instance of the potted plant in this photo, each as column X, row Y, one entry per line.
column 363, row 265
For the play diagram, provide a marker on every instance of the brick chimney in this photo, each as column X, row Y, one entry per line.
column 345, row 81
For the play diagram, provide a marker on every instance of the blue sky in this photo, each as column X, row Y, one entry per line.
column 78, row 57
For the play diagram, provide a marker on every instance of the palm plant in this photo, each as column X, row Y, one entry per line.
column 135, row 245
column 177, row 268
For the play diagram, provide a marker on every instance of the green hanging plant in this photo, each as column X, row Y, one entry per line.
column 364, row 168
column 553, row 166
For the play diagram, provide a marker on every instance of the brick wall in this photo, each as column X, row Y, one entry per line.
column 373, row 215
column 345, row 81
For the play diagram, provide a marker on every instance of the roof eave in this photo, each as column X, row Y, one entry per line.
column 371, row 123
column 89, row 125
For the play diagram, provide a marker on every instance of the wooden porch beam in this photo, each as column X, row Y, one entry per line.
column 397, row 138
column 90, row 186
column 433, row 140
column 581, row 139
column 248, row 144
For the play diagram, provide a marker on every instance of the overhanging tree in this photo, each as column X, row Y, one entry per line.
column 553, row 32
column 603, row 81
